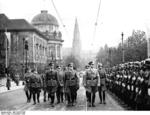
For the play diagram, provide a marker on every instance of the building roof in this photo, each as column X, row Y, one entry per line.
column 20, row 24
column 4, row 21
column 44, row 18
column 17, row 25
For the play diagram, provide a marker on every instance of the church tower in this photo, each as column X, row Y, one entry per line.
column 76, row 45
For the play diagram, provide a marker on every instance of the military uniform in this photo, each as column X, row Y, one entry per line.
column 51, row 84
column 60, row 89
column 71, row 85
column 44, row 86
column 83, row 81
column 102, row 87
column 91, row 84
column 36, row 85
column 27, row 87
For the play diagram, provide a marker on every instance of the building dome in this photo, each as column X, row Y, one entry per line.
column 44, row 18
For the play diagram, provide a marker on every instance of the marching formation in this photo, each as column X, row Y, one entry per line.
column 64, row 84
column 131, row 83
column 93, row 81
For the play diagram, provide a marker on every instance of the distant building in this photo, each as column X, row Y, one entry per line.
column 43, row 39
column 76, row 45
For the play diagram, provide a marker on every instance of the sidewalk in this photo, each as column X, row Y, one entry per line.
column 13, row 87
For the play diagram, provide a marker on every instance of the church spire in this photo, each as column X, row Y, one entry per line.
column 76, row 46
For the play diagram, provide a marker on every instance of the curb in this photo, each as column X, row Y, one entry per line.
column 3, row 88
column 7, row 91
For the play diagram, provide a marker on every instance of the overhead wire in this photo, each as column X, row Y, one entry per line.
column 58, row 14
column 96, row 23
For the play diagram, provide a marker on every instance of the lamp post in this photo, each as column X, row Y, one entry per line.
column 23, row 69
column 122, row 48
column 26, row 48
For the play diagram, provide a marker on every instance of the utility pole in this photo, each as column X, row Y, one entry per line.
column 6, row 64
column 122, row 48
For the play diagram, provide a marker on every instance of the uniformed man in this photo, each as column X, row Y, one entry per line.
column 44, row 87
column 84, row 75
column 102, row 87
column 36, row 85
column 91, row 83
column 51, row 83
column 71, row 83
column 27, row 88
column 60, row 89
column 146, row 86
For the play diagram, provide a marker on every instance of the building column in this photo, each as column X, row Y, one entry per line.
column 56, row 51
column 33, row 49
column 61, row 52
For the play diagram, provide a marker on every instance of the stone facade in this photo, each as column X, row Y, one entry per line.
column 48, row 25
column 43, row 38
column 35, row 56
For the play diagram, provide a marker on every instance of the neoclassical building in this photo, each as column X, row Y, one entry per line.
column 49, row 27
column 33, row 45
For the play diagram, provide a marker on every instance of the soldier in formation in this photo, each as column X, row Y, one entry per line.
column 102, row 87
column 91, row 82
column 35, row 85
column 83, row 82
column 60, row 89
column 51, row 80
column 131, row 83
column 27, row 84
column 71, row 84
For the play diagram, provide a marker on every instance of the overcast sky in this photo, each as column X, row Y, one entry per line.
column 115, row 16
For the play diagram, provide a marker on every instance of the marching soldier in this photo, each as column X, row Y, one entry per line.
column 44, row 87
column 86, row 68
column 146, row 86
column 102, row 87
column 60, row 89
column 91, row 83
column 51, row 83
column 27, row 84
column 35, row 84
column 71, row 84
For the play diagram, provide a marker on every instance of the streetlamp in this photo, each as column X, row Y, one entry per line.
column 122, row 48
column 26, row 48
column 23, row 69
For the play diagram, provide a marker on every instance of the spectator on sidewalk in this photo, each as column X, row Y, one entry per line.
column 8, row 82
column 17, row 79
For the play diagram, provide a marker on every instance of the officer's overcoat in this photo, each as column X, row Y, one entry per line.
column 60, row 76
column 102, row 77
column 91, row 80
column 71, row 81
column 27, row 81
column 51, row 81
column 35, row 83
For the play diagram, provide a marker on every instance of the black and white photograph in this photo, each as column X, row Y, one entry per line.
column 74, row 55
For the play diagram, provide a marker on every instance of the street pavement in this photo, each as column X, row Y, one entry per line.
column 16, row 100
column 13, row 87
